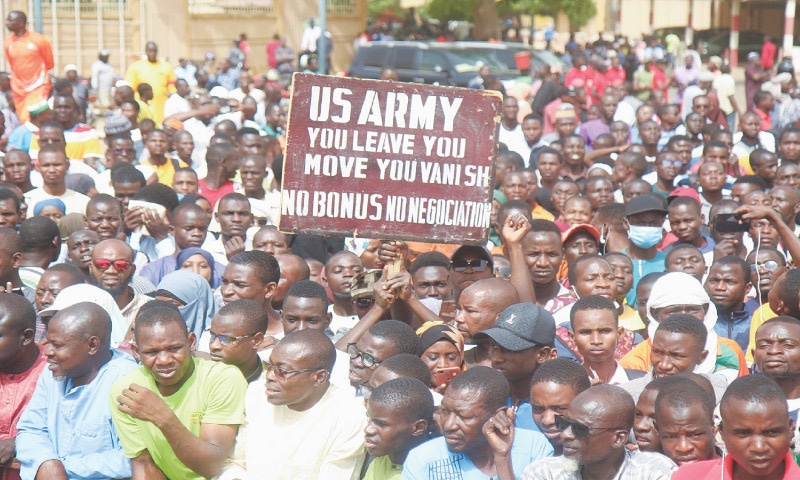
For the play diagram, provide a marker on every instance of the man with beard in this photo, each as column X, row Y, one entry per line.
column 479, row 438
column 74, row 391
column 53, row 280
column 112, row 269
column 776, row 357
column 594, row 432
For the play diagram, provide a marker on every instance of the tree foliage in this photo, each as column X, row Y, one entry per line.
column 579, row 12
column 376, row 7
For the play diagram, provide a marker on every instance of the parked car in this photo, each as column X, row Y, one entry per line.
column 511, row 54
column 430, row 63
column 718, row 42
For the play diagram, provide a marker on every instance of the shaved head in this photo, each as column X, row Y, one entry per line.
column 610, row 403
column 316, row 346
column 85, row 320
column 501, row 292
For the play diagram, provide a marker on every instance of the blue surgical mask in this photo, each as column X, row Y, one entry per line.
column 180, row 196
column 645, row 237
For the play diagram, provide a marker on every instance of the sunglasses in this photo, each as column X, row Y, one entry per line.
column 104, row 264
column 364, row 303
column 367, row 360
column 580, row 430
column 674, row 163
column 476, row 265
column 769, row 265
column 504, row 272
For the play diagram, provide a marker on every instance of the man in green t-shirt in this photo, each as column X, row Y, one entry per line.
column 177, row 416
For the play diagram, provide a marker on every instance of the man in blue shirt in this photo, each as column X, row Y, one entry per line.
column 66, row 431
column 727, row 284
column 522, row 338
column 469, row 402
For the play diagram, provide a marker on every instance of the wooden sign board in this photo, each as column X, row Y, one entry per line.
column 389, row 160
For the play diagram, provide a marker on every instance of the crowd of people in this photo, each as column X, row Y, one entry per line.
column 634, row 314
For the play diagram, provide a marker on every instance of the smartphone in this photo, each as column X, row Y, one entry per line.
column 443, row 376
column 730, row 223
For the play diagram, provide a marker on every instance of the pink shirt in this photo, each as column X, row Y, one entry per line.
column 15, row 393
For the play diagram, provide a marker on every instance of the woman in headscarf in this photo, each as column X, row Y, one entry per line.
column 52, row 208
column 441, row 347
column 679, row 292
column 192, row 294
column 198, row 261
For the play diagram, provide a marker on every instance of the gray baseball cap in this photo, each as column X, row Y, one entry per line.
column 522, row 326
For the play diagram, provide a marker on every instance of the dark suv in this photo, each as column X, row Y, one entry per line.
column 431, row 63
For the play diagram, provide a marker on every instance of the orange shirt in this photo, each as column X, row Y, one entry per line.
column 30, row 57
column 639, row 357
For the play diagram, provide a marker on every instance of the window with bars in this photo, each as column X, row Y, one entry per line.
column 68, row 7
column 342, row 7
column 230, row 7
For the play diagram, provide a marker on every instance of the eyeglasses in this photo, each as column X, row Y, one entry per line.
column 673, row 163
column 476, row 265
column 281, row 374
column 227, row 339
column 104, row 264
column 580, row 430
column 504, row 272
column 367, row 360
column 769, row 265
column 120, row 151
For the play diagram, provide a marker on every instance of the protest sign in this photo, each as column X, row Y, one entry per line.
column 389, row 160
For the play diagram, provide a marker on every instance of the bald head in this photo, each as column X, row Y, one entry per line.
column 317, row 348
column 122, row 249
column 482, row 302
column 85, row 320
column 609, row 405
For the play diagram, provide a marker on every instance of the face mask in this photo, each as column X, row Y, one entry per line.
column 180, row 196
column 645, row 237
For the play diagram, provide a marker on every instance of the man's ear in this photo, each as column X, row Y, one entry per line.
column 192, row 341
column 94, row 345
column 625, row 223
column 419, row 428
column 320, row 377
column 16, row 260
column 269, row 290
column 257, row 339
column 703, row 356
column 620, row 438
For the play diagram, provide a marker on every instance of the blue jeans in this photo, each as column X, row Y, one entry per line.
column 731, row 121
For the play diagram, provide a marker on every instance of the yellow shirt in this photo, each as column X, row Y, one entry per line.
column 160, row 76
column 542, row 213
column 761, row 315
column 165, row 172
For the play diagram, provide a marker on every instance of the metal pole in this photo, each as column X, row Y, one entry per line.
column 37, row 15
column 736, row 7
column 101, row 6
column 321, row 43
column 122, row 60
column 78, row 34
column 56, row 48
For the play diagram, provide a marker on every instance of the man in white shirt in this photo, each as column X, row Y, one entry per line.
column 177, row 102
column 53, row 165
column 305, row 428
column 510, row 132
